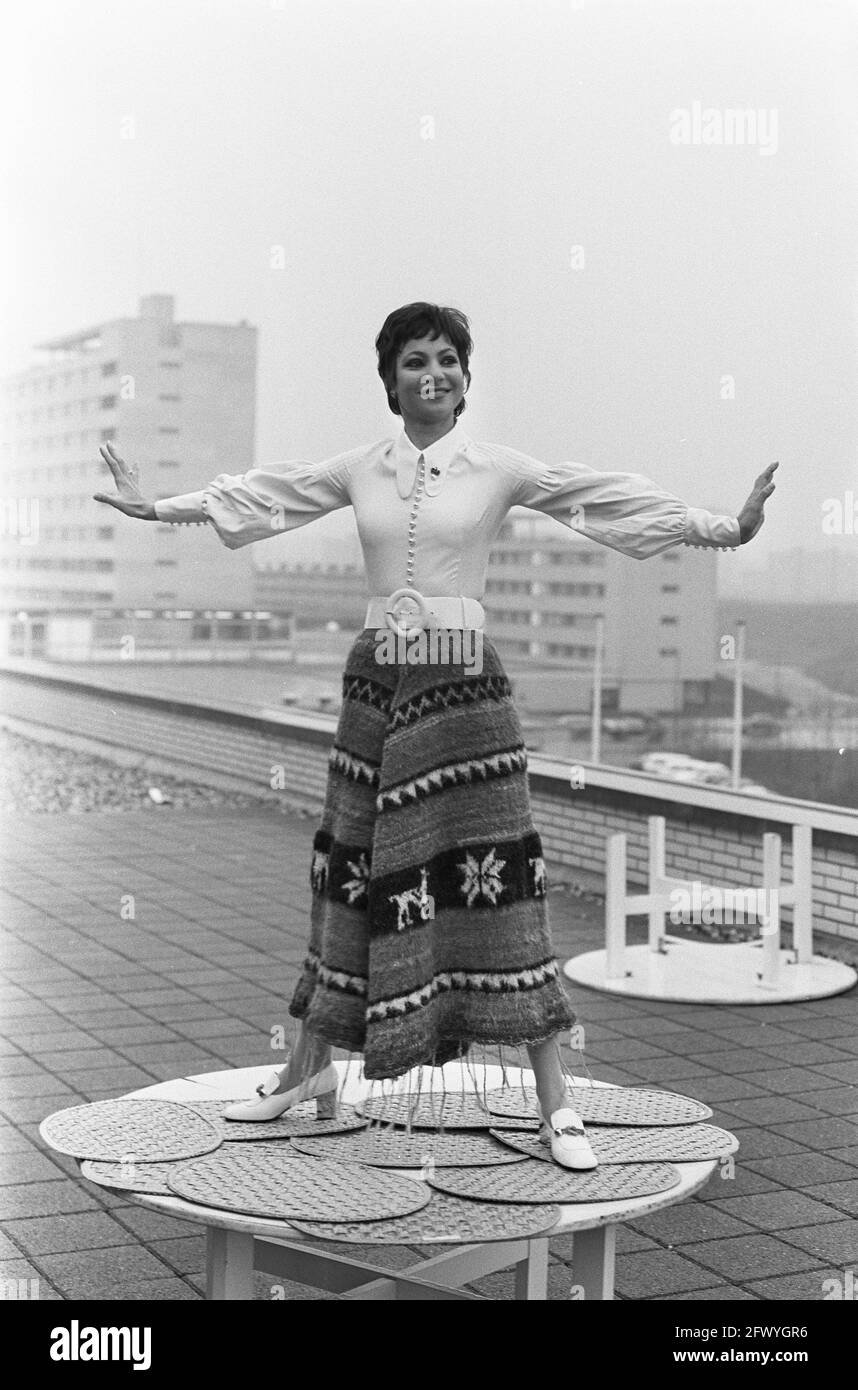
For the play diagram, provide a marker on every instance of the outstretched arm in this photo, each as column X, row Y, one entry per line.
column 242, row 507
column 628, row 511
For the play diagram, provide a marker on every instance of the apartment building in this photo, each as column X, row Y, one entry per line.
column 546, row 587
column 77, row 578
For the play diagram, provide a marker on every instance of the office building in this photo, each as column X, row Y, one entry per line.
column 78, row 579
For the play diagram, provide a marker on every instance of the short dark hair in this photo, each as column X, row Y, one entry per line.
column 421, row 320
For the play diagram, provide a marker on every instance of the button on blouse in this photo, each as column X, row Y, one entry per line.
column 429, row 517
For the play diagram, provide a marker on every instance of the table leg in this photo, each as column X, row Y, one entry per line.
column 531, row 1273
column 229, row 1264
column 593, row 1256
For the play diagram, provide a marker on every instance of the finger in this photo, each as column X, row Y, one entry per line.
column 114, row 462
column 111, row 463
column 111, row 501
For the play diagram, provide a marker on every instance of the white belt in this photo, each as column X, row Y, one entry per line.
column 407, row 611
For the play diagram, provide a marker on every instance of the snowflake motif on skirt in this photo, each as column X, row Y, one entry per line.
column 482, row 878
column 356, row 887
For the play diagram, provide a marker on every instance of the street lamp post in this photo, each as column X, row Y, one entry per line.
column 596, row 714
column 736, row 763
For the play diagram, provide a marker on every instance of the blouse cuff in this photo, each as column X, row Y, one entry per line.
column 704, row 530
column 183, row 510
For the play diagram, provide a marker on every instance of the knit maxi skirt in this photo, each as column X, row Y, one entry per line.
column 429, row 927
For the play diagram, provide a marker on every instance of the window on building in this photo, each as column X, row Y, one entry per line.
column 670, row 588
column 669, row 622
column 668, row 651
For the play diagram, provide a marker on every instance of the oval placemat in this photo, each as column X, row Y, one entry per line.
column 435, row 1111
column 270, row 1181
column 396, row 1149
column 548, row 1182
column 139, row 1131
column 301, row 1119
column 608, row 1105
column 612, row 1144
column 130, row 1177
column 444, row 1220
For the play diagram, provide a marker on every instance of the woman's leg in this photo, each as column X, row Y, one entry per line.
column 548, row 1071
column 309, row 1055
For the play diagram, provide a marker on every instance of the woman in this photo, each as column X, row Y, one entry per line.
column 429, row 927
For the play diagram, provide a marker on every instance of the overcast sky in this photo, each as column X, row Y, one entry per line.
column 460, row 151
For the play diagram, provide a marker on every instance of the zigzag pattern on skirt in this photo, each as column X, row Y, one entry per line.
column 335, row 979
column 366, row 692
column 481, row 982
column 453, row 775
column 355, row 769
column 447, row 696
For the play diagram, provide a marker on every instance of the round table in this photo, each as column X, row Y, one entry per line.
column 237, row 1244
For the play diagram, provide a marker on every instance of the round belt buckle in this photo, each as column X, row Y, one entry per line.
column 396, row 612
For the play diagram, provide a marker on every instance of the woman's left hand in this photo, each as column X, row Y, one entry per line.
column 751, row 517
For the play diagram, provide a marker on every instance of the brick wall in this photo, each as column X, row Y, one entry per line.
column 708, row 831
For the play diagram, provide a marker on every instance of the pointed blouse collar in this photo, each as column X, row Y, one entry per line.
column 438, row 458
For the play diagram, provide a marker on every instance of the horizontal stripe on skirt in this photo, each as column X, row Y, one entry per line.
column 429, row 926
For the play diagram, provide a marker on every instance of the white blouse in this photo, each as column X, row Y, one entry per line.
column 428, row 518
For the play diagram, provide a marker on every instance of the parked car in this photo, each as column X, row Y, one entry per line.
column 680, row 767
column 763, row 725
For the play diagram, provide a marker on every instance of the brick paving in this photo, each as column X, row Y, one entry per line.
column 141, row 947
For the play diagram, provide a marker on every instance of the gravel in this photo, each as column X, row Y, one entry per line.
column 41, row 778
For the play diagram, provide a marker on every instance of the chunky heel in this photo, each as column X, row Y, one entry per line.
column 326, row 1106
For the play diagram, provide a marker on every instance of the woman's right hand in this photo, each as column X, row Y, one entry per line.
column 129, row 499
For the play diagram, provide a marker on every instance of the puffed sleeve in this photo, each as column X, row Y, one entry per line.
column 625, row 511
column 265, row 501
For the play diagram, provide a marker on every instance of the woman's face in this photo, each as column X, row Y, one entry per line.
column 429, row 380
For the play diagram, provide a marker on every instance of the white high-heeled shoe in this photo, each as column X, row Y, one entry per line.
column 566, row 1136
column 322, row 1087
